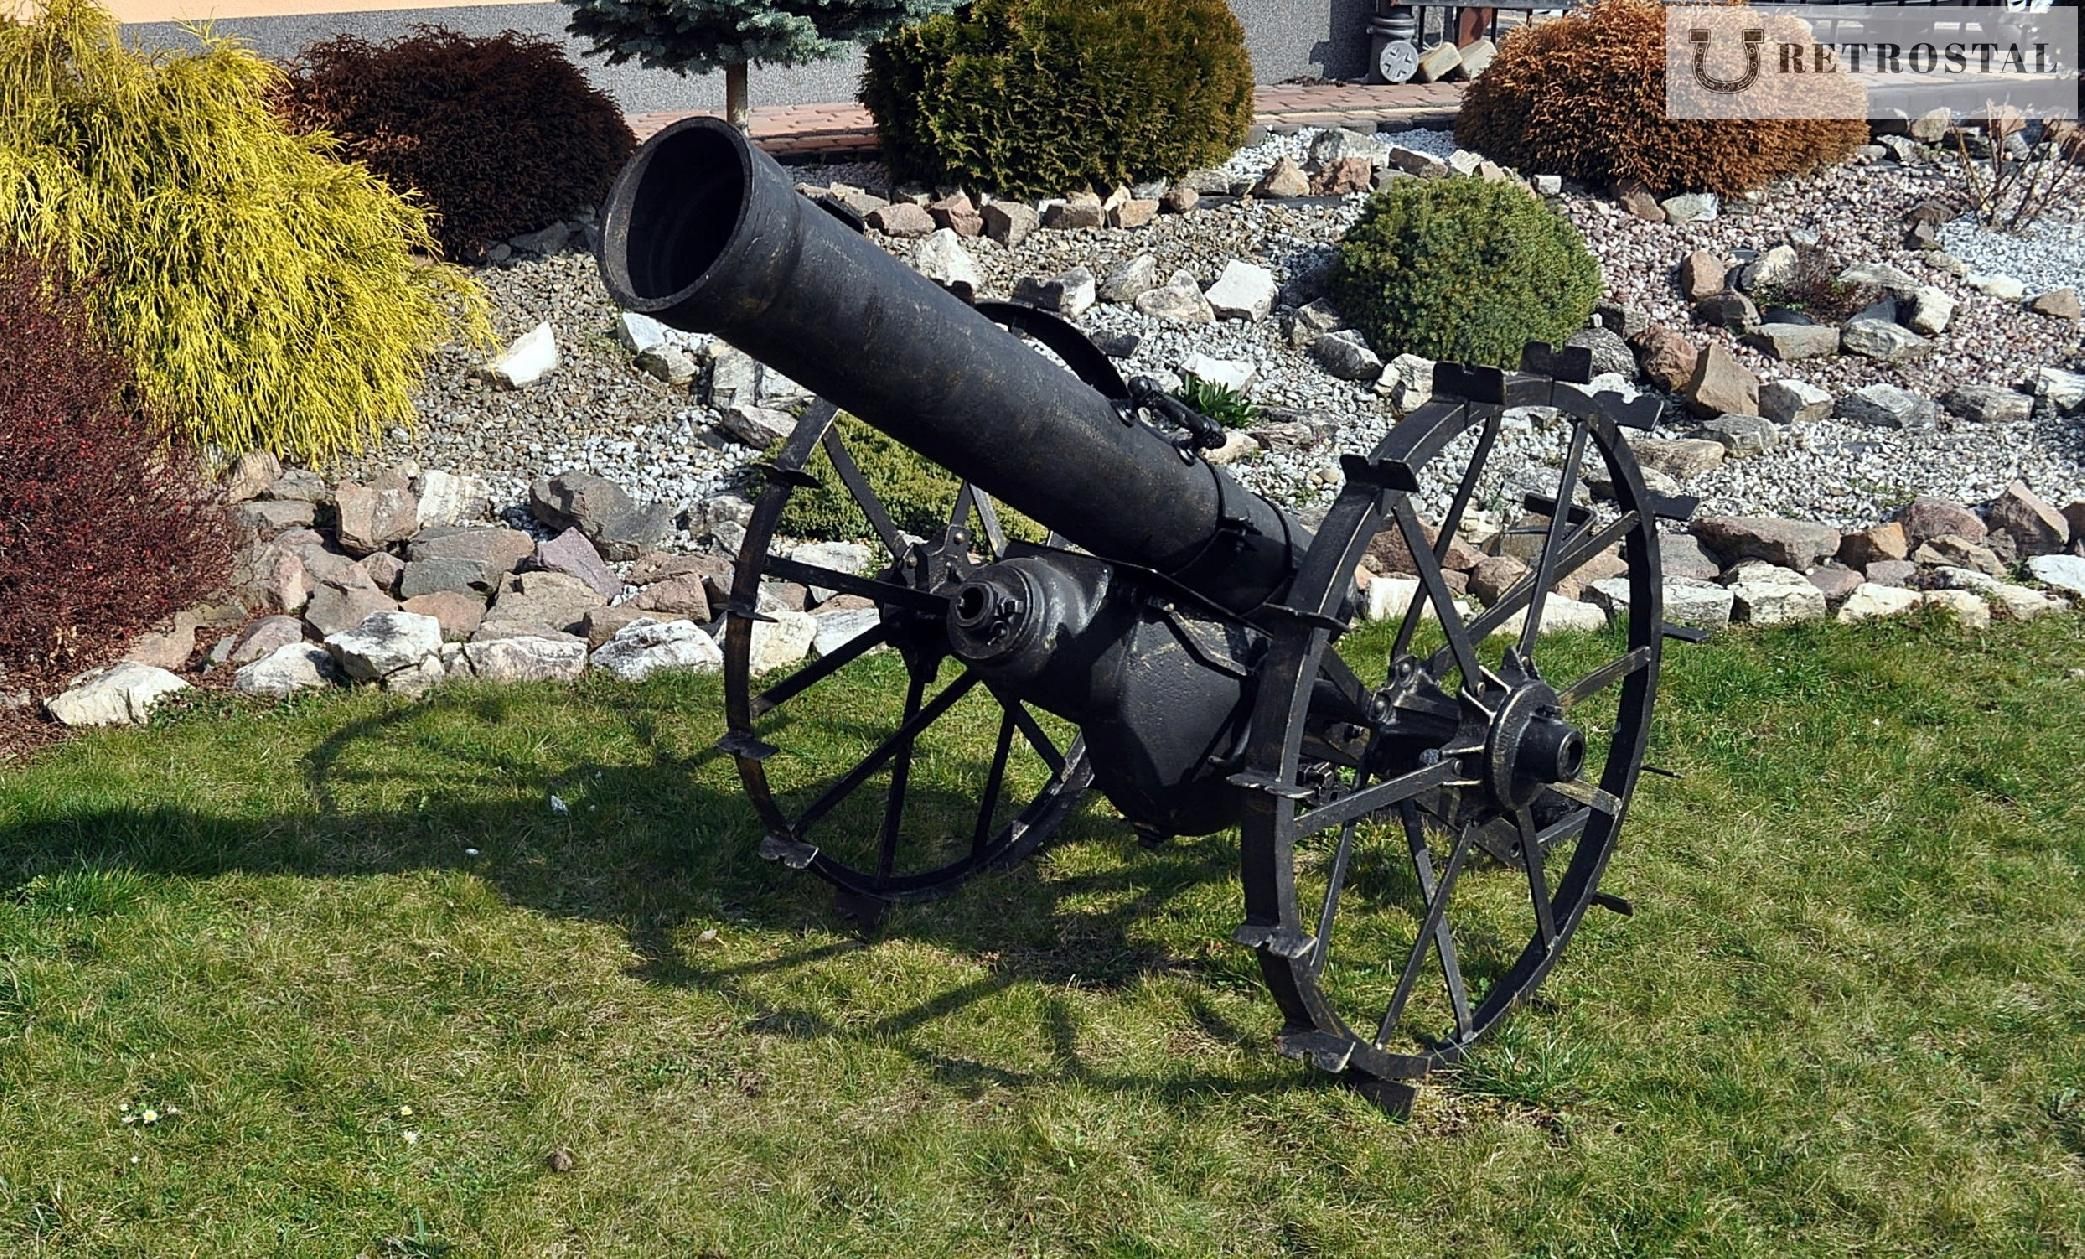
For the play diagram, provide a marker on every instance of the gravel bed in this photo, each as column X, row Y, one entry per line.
column 597, row 414
column 2047, row 255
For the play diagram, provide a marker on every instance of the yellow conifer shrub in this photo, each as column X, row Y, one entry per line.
column 267, row 294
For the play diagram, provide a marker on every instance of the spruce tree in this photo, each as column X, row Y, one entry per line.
column 697, row 36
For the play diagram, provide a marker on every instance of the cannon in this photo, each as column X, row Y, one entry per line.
column 1425, row 800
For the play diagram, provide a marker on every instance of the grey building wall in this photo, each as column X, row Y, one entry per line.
column 1288, row 38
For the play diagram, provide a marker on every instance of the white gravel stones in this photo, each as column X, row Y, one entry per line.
column 1870, row 601
column 645, row 647
column 1886, row 406
column 2048, row 255
column 1243, row 291
column 1764, row 594
column 289, row 668
column 783, row 640
column 385, row 643
column 527, row 360
column 1794, row 402
column 2061, row 572
column 116, row 695
column 942, row 258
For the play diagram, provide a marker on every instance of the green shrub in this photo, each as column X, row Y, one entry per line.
column 1030, row 97
column 1584, row 96
column 266, row 294
column 1813, row 286
column 501, row 134
column 918, row 495
column 1463, row 269
column 1221, row 403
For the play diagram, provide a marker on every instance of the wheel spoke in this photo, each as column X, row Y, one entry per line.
column 1585, row 544
column 1591, row 797
column 1443, row 939
column 1446, row 538
column 959, row 515
column 1538, row 881
column 820, row 669
column 883, row 592
column 1037, row 737
column 1353, row 692
column 1381, row 796
column 900, row 780
column 988, row 804
column 1559, row 521
column 1436, row 919
column 988, row 516
column 1336, row 880
column 902, row 737
column 1436, row 588
column 1603, row 677
column 864, row 497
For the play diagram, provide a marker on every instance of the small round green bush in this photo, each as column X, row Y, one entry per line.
column 1032, row 97
column 1463, row 270
column 917, row 494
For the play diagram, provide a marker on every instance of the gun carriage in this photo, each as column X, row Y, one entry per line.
column 1173, row 641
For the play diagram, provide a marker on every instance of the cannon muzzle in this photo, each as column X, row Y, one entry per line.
column 706, row 233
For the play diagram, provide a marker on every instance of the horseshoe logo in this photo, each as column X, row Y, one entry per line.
column 1753, row 39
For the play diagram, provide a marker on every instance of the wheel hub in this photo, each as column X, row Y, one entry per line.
column 1531, row 745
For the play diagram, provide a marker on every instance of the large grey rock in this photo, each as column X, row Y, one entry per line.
column 1682, row 555
column 1347, row 356
column 1953, row 552
column 115, row 695
column 287, row 669
column 2062, row 572
column 1882, row 340
column 272, row 516
column 1792, row 544
column 645, row 647
column 1338, row 144
column 618, row 526
column 531, row 602
column 1787, row 341
column 2036, row 527
column 1243, row 291
column 903, row 220
column 338, row 603
column 1931, row 310
column 1010, row 222
column 1689, row 207
column 2064, row 390
column 1176, row 302
column 496, row 551
column 1407, row 382
column 1079, row 210
column 1611, row 354
column 1926, row 517
column 1892, row 280
column 670, row 365
column 839, row 626
column 1794, row 402
column 942, row 258
column 446, row 498
column 784, row 640
column 1988, row 404
column 521, row 658
column 1070, row 294
column 1687, row 601
column 374, row 516
column 459, row 613
column 385, row 643
column 1741, row 435
column 1235, row 374
column 1886, row 406
column 1765, row 594
column 1967, row 607
column 1701, row 275
column 851, row 558
column 1131, row 280
column 437, row 576
column 262, row 638
column 570, row 553
column 251, row 476
column 735, row 379
column 1683, row 460
column 1872, row 601
column 758, row 427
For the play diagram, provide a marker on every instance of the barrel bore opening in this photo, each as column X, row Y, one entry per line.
column 672, row 214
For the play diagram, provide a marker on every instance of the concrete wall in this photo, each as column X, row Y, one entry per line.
column 1288, row 38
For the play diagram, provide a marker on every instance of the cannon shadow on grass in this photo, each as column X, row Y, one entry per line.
column 653, row 842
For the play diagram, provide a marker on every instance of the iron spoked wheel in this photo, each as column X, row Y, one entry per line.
column 1412, row 875
column 909, row 719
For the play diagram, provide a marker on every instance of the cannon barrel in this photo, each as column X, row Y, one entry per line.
column 706, row 233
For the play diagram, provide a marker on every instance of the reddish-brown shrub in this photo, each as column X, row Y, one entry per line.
column 105, row 527
column 502, row 134
column 1584, row 96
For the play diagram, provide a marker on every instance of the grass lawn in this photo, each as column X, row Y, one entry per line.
column 366, row 979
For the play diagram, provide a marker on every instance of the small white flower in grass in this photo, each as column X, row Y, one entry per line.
column 150, row 1116
column 405, row 1112
column 558, row 805
column 411, row 1137
column 470, row 852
